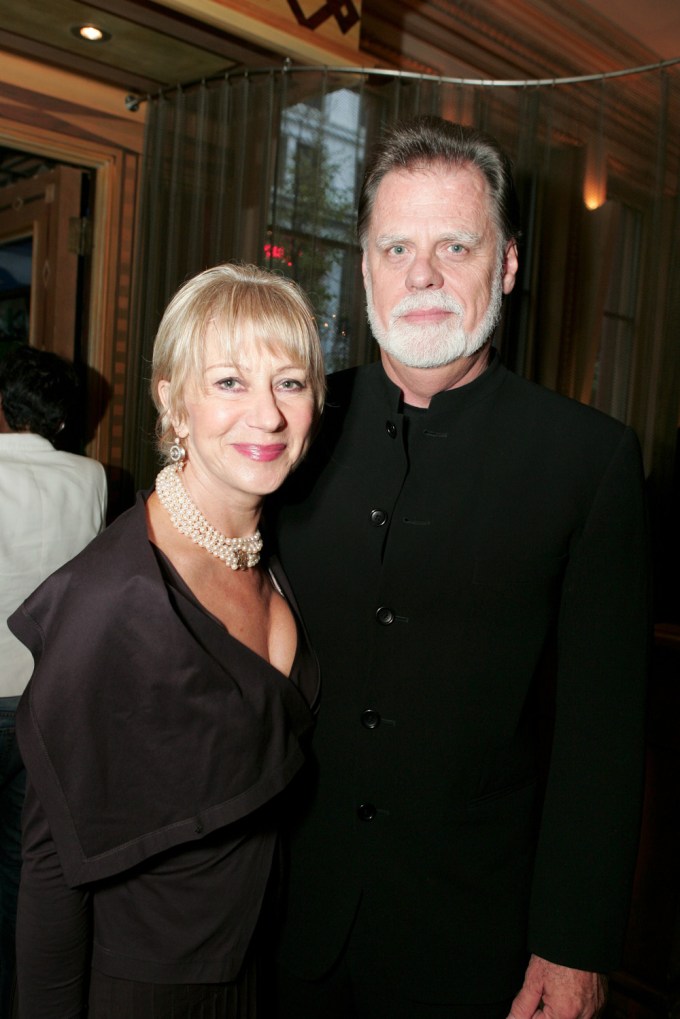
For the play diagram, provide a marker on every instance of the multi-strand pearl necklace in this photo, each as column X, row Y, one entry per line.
column 238, row 553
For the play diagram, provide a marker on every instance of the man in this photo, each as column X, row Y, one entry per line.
column 52, row 504
column 469, row 556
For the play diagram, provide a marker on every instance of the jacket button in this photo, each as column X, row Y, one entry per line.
column 366, row 812
column 370, row 719
column 384, row 616
column 378, row 517
column 391, row 429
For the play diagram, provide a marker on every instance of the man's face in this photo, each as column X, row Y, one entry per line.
column 434, row 266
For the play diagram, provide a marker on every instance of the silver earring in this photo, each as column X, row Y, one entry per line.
column 177, row 451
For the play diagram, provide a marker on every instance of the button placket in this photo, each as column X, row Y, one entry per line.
column 371, row 720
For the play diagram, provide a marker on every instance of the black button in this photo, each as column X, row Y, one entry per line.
column 366, row 812
column 378, row 517
column 384, row 615
column 391, row 429
column 370, row 719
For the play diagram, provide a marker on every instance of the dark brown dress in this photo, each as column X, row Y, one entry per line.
column 173, row 934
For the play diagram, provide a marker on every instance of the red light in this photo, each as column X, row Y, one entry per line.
column 274, row 251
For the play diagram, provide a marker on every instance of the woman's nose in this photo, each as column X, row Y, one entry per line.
column 265, row 412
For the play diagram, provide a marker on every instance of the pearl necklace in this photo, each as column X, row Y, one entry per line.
column 238, row 553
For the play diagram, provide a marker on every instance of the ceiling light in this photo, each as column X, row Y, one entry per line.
column 91, row 33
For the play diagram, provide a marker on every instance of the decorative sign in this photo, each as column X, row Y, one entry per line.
column 316, row 31
column 344, row 12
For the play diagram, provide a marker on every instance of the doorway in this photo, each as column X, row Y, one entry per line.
column 42, row 247
column 45, row 230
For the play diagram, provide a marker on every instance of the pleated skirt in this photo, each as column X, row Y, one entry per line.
column 112, row 998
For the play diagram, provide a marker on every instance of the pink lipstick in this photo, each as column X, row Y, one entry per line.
column 255, row 451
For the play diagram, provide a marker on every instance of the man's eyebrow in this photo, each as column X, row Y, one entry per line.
column 385, row 240
column 467, row 237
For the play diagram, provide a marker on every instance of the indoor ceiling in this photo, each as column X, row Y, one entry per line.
column 654, row 24
column 152, row 46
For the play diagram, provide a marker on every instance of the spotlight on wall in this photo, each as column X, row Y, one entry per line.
column 595, row 183
column 91, row 33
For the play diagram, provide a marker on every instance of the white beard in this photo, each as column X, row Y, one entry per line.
column 436, row 344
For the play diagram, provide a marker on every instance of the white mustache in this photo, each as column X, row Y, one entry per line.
column 426, row 302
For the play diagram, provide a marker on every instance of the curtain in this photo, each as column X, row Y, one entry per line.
column 266, row 166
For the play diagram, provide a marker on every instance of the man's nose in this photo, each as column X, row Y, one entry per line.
column 424, row 272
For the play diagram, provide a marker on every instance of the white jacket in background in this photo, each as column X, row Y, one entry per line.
column 51, row 505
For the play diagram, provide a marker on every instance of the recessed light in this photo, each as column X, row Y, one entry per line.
column 91, row 33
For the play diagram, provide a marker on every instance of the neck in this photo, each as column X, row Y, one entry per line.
column 419, row 385
column 238, row 552
column 227, row 512
column 4, row 427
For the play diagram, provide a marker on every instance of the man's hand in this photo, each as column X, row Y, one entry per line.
column 557, row 992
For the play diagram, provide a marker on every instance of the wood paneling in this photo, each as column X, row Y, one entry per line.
column 648, row 985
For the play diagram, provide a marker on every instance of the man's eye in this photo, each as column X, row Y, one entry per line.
column 457, row 249
column 397, row 249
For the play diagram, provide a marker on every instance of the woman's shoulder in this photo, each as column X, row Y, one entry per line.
column 97, row 566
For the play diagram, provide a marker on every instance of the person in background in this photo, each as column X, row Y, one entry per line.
column 174, row 687
column 469, row 554
column 52, row 504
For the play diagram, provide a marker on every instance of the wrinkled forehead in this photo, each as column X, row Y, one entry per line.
column 433, row 188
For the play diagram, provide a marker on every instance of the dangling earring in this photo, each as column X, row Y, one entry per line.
column 177, row 451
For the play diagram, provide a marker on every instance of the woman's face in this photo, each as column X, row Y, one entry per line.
column 247, row 426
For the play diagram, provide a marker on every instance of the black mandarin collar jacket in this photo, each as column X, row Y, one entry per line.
column 443, row 563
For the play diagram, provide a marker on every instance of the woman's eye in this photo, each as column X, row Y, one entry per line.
column 292, row 384
column 229, row 383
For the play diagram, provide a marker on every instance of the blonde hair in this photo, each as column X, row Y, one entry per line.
column 248, row 305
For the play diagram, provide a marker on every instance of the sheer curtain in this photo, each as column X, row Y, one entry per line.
column 265, row 167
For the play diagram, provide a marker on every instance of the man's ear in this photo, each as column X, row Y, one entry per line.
column 510, row 266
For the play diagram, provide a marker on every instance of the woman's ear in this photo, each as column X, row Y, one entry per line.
column 164, row 392
column 164, row 397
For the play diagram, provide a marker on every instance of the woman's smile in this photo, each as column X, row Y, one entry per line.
column 254, row 451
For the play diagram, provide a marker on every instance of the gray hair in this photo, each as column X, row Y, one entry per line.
column 429, row 141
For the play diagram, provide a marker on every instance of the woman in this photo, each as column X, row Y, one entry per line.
column 173, row 686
